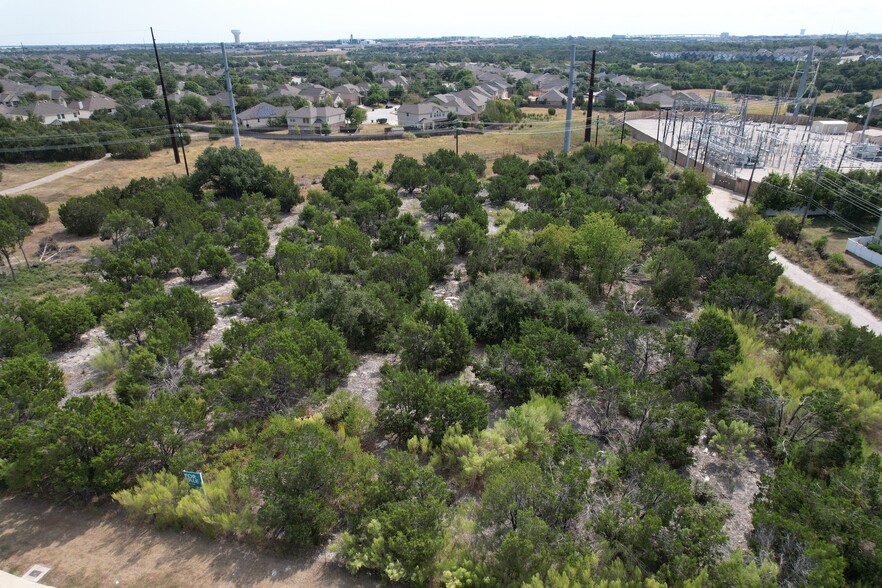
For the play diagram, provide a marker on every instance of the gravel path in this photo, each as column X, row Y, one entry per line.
column 53, row 177
column 724, row 202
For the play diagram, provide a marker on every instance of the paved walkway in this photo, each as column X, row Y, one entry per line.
column 724, row 202
column 52, row 177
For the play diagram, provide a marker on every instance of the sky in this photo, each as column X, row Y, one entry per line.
column 57, row 22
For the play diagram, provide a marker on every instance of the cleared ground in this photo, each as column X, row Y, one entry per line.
column 93, row 546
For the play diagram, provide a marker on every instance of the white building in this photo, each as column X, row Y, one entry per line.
column 830, row 127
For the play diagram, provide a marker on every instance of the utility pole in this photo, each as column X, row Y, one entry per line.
column 679, row 140
column 867, row 120
column 569, row 129
column 802, row 81
column 183, row 150
column 841, row 159
column 798, row 163
column 171, row 129
column 658, row 130
column 810, row 201
column 665, row 134
column 597, row 132
column 759, row 150
column 706, row 148
column 590, row 99
column 698, row 146
column 624, row 116
column 689, row 146
column 232, row 100
column 457, row 138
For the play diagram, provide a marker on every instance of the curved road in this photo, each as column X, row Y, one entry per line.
column 723, row 202
column 52, row 177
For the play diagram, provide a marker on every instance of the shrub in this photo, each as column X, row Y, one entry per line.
column 733, row 440
column 787, row 226
column 875, row 247
column 837, row 263
column 109, row 361
column 136, row 150
column 343, row 408
column 83, row 216
column 28, row 209
column 820, row 246
column 552, row 111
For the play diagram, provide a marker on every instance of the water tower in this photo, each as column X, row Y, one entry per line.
column 236, row 34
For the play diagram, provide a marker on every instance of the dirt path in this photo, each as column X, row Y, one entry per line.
column 99, row 547
column 736, row 487
column 52, row 177
column 724, row 201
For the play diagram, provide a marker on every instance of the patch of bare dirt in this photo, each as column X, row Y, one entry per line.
column 79, row 377
column 364, row 380
column 735, row 486
column 97, row 546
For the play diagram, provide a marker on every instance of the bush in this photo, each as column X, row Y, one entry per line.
column 875, row 247
column 552, row 111
column 436, row 339
column 63, row 322
column 837, row 263
column 28, row 209
column 137, row 150
column 83, row 216
column 787, row 226
column 820, row 246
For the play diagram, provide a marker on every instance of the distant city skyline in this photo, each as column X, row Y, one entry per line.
column 51, row 22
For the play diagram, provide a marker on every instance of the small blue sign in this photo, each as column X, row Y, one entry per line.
column 194, row 479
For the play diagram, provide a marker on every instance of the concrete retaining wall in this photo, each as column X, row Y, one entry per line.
column 857, row 246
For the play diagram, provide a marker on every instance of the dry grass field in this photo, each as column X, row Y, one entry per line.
column 306, row 160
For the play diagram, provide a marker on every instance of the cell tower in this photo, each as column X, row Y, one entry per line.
column 236, row 34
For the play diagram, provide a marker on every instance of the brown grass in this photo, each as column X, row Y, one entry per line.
column 22, row 173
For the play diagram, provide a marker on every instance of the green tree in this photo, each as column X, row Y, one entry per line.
column 462, row 235
column 407, row 173
column 673, row 277
column 436, row 338
column 215, row 260
column 83, row 216
column 120, row 225
column 300, row 470
column 414, row 403
column 28, row 209
column 356, row 115
column 605, row 250
column 439, row 201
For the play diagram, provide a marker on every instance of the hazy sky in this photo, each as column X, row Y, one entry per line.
column 48, row 22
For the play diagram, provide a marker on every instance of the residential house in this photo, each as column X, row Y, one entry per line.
column 553, row 97
column 396, row 82
column 18, row 113
column 93, row 103
column 222, row 98
column 600, row 97
column 318, row 94
column 350, row 94
column 51, row 112
column 286, row 90
column 259, row 115
column 424, row 115
column 334, row 72
column 690, row 100
column 310, row 119
column 661, row 101
column 145, row 102
column 875, row 106
column 655, row 88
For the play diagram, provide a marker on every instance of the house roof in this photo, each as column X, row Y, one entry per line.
column 553, row 94
column 264, row 110
column 420, row 109
column 662, row 100
column 48, row 108
column 311, row 111
column 95, row 102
